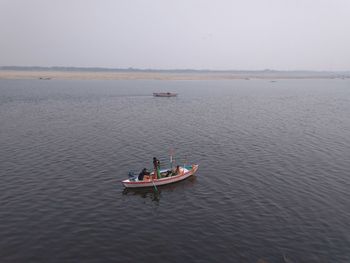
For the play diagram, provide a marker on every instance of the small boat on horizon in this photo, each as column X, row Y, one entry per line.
column 164, row 94
column 167, row 177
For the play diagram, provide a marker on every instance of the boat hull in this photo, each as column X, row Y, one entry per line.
column 163, row 181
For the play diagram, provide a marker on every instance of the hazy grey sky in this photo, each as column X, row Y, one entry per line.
column 164, row 34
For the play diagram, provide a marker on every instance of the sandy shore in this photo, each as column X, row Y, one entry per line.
column 89, row 75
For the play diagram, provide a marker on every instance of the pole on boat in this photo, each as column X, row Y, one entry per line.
column 183, row 170
column 171, row 159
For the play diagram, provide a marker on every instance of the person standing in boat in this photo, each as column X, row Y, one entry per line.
column 156, row 165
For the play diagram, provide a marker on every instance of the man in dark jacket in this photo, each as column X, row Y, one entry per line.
column 142, row 174
column 156, row 165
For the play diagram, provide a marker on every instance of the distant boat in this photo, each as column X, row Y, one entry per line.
column 164, row 94
column 45, row 78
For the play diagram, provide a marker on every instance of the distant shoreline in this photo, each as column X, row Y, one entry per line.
column 134, row 74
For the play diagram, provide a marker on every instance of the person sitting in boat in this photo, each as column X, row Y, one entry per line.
column 143, row 173
column 177, row 170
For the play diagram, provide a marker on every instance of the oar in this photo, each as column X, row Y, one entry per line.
column 155, row 187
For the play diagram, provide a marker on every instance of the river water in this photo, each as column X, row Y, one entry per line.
column 273, row 178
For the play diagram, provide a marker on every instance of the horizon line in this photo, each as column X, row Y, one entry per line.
column 129, row 69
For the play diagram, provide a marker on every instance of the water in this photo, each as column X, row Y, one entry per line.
column 273, row 177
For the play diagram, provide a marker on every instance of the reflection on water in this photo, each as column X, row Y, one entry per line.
column 156, row 194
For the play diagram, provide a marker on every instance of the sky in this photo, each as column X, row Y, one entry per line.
column 180, row 34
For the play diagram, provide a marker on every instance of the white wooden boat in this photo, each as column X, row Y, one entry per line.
column 164, row 94
column 150, row 181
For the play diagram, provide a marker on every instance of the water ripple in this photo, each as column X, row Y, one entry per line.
column 273, row 177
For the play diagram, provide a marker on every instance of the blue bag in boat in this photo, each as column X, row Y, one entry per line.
column 132, row 176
